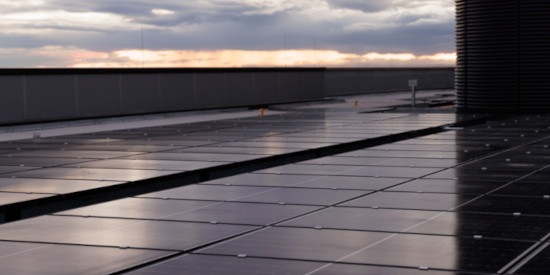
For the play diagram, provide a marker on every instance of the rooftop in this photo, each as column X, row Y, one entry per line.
column 354, row 185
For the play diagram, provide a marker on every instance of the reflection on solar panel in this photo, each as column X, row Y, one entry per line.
column 424, row 204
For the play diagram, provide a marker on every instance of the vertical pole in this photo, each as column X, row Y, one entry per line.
column 413, row 83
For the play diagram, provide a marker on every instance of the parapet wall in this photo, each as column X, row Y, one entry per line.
column 374, row 80
column 36, row 95
column 43, row 95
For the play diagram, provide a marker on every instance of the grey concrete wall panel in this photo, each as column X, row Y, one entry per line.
column 50, row 97
column 267, row 87
column 438, row 79
column 289, row 86
column 98, row 95
column 341, row 82
column 312, row 85
column 177, row 92
column 61, row 94
column 210, row 90
column 358, row 81
column 382, row 81
column 139, row 93
column 11, row 99
column 240, row 89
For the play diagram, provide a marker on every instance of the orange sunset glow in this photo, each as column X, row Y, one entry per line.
column 242, row 58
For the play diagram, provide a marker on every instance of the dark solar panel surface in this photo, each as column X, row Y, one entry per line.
column 538, row 264
column 38, row 258
column 464, row 201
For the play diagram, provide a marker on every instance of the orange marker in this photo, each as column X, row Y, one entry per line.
column 356, row 103
column 262, row 111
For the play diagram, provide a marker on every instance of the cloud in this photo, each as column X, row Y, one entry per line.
column 420, row 27
column 362, row 5
column 162, row 12
column 50, row 56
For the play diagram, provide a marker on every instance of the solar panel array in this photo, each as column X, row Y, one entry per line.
column 464, row 201
column 39, row 170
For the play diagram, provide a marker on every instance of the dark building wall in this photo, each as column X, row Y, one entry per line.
column 503, row 55
column 41, row 95
column 375, row 80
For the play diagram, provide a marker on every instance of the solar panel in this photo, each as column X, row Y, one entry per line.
column 37, row 258
column 419, row 206
column 193, row 211
column 214, row 265
column 123, row 233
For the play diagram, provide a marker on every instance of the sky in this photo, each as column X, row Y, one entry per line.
column 226, row 33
